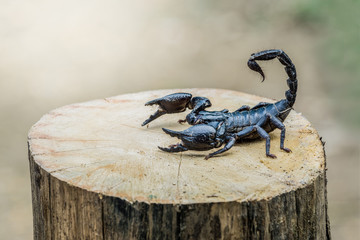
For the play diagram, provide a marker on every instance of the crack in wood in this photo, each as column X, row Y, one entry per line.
column 114, row 186
column 178, row 178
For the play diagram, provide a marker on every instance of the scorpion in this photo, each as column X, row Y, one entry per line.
column 212, row 129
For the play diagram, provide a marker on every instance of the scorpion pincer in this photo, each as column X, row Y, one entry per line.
column 212, row 129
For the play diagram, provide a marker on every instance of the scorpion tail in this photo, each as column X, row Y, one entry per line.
column 255, row 67
column 284, row 60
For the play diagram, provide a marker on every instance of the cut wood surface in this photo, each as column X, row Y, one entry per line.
column 92, row 163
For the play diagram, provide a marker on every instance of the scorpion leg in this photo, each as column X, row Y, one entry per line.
column 262, row 133
column 174, row 148
column 245, row 132
column 230, row 142
column 281, row 126
column 250, row 129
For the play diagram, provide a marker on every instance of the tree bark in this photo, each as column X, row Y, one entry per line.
column 97, row 174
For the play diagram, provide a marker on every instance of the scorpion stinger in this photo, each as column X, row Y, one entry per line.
column 212, row 129
column 284, row 60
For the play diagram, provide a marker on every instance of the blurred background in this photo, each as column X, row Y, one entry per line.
column 54, row 53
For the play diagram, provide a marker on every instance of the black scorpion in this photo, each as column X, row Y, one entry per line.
column 212, row 129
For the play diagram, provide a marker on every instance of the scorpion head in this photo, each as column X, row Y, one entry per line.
column 193, row 118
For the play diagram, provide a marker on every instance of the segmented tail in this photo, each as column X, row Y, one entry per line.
column 284, row 60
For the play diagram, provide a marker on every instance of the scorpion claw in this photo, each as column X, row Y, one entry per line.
column 164, row 149
column 172, row 103
column 172, row 132
column 174, row 148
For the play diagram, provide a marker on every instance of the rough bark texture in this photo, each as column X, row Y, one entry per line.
column 96, row 174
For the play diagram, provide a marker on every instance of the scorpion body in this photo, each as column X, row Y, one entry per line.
column 212, row 129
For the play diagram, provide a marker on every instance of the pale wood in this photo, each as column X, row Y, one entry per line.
column 97, row 174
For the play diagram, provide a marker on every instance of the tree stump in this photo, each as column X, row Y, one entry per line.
column 97, row 174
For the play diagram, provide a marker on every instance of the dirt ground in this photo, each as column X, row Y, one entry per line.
column 57, row 53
